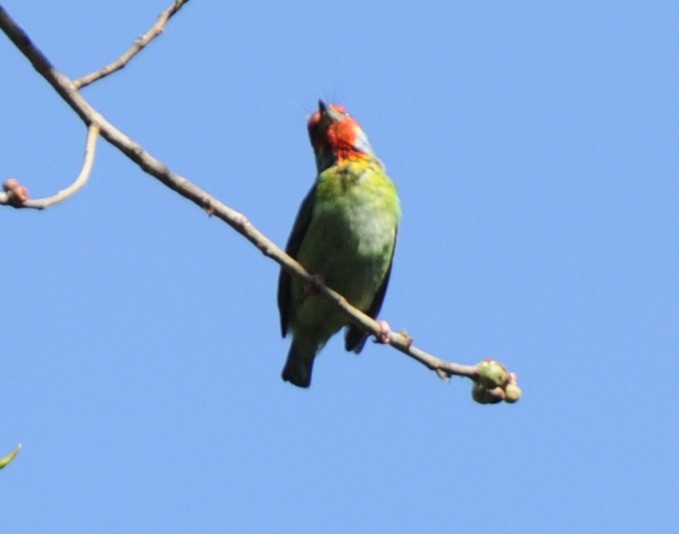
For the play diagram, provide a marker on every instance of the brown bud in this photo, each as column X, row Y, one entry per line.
column 17, row 194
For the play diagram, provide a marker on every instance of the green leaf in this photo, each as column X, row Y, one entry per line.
column 5, row 460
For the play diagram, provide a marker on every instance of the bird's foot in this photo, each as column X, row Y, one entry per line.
column 385, row 330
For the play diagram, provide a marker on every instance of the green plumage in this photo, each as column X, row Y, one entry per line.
column 345, row 232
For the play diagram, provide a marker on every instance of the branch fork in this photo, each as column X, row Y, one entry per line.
column 491, row 381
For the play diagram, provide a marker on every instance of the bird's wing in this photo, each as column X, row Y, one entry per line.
column 355, row 338
column 292, row 248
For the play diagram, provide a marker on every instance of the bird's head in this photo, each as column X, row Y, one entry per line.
column 335, row 136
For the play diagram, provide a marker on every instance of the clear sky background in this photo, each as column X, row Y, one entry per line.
column 536, row 150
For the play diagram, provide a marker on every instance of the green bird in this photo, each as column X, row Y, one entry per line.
column 345, row 233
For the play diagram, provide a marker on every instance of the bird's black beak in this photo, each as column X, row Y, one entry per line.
column 322, row 107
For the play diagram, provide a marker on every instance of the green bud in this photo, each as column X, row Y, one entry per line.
column 492, row 374
column 479, row 393
column 483, row 395
column 512, row 393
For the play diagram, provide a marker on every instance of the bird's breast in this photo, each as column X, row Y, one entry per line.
column 351, row 235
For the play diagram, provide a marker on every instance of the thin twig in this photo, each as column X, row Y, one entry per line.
column 137, row 47
column 213, row 206
column 77, row 185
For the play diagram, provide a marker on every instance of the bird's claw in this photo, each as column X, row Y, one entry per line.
column 383, row 336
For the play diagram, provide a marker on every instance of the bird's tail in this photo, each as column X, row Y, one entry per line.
column 300, row 363
column 354, row 339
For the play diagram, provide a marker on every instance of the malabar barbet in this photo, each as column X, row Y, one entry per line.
column 344, row 234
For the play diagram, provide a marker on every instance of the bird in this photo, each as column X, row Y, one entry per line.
column 344, row 235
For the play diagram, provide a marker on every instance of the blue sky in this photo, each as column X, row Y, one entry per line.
column 535, row 146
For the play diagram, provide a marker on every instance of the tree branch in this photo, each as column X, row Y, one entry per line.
column 492, row 390
column 16, row 195
column 136, row 47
